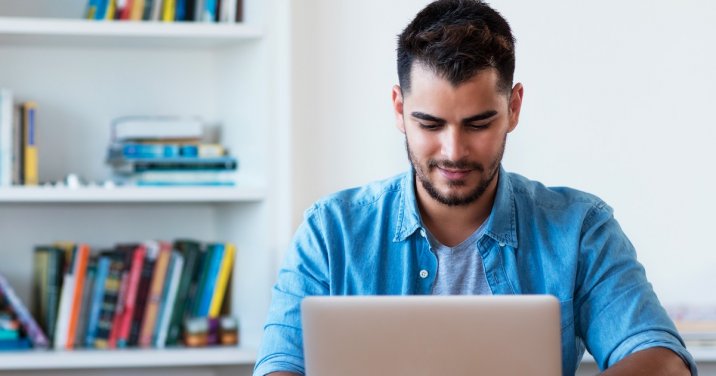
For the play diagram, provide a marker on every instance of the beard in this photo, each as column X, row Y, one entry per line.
column 487, row 175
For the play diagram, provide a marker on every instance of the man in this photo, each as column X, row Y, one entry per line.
column 457, row 223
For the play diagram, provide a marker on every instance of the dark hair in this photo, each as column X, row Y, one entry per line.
column 457, row 39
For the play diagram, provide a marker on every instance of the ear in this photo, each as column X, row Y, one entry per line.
column 515, row 105
column 398, row 108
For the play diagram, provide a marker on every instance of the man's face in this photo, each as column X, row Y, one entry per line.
column 455, row 136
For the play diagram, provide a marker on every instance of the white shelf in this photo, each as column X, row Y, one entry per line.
column 78, row 359
column 130, row 194
column 68, row 32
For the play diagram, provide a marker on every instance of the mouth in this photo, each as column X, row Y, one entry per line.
column 453, row 174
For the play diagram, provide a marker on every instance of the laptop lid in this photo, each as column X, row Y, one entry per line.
column 432, row 335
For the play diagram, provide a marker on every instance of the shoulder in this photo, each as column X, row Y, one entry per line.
column 531, row 193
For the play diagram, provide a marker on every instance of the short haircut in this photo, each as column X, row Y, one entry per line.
column 457, row 39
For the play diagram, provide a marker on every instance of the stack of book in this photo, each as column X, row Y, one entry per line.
column 165, row 10
column 135, row 295
column 18, row 141
column 166, row 151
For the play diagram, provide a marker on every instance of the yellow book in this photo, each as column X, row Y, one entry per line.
column 169, row 10
column 137, row 10
column 29, row 125
column 227, row 264
column 111, row 8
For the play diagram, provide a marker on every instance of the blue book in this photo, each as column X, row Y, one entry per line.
column 15, row 344
column 209, row 13
column 97, row 298
column 101, row 9
column 215, row 256
column 180, row 13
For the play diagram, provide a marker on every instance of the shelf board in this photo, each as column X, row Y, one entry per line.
column 80, row 32
column 130, row 194
column 126, row 358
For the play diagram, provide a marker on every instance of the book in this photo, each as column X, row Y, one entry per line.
column 157, row 127
column 30, row 162
column 227, row 13
column 83, row 318
column 208, row 14
column 156, row 10
column 91, row 11
column 103, row 264
column 135, row 274
column 40, row 283
column 79, row 271
column 145, row 280
column 137, row 10
column 112, row 287
column 168, row 11
column 34, row 333
column 55, row 271
column 191, row 252
column 134, row 150
column 6, row 138
column 222, row 280
column 171, row 285
column 206, row 291
column 130, row 166
column 155, row 295
column 17, row 147
column 102, row 7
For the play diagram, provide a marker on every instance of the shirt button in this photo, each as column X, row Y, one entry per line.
column 502, row 244
column 422, row 232
column 423, row 273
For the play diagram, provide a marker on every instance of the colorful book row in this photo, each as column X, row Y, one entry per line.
column 166, row 10
column 135, row 295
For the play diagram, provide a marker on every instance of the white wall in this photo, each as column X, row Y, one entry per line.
column 617, row 102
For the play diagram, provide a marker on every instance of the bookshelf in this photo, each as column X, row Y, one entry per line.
column 84, row 73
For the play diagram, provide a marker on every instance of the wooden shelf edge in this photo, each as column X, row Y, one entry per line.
column 127, row 358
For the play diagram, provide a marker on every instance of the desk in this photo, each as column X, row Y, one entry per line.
column 705, row 359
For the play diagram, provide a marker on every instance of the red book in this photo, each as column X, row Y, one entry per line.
column 135, row 274
column 114, row 331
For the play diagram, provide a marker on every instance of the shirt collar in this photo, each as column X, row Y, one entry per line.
column 502, row 221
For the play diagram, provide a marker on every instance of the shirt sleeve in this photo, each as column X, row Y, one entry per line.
column 303, row 273
column 618, row 312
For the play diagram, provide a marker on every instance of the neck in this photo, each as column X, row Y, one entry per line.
column 451, row 225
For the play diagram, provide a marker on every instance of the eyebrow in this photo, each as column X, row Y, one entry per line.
column 481, row 116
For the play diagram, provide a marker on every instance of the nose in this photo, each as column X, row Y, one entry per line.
column 454, row 146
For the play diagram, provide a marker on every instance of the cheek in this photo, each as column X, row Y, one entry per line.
column 423, row 145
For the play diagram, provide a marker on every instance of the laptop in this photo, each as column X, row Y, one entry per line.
column 432, row 335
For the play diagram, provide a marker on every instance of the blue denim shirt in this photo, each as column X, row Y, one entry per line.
column 539, row 240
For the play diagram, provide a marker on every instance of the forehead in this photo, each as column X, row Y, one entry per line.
column 433, row 93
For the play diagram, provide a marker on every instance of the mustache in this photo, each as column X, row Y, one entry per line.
column 456, row 165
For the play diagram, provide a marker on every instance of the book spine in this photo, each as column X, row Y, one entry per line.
column 83, row 318
column 41, row 258
column 30, row 147
column 112, row 286
column 33, row 330
column 209, row 11
column 190, row 251
column 169, row 295
column 54, row 288
column 168, row 13
column 154, row 297
column 97, row 299
column 156, row 10
column 118, row 311
column 80, row 270
column 227, row 265
column 208, row 291
column 6, row 119
column 63, row 312
column 135, row 275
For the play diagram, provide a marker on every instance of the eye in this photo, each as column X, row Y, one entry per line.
column 478, row 127
column 429, row 127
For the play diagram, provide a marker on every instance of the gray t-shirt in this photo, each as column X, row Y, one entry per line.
column 460, row 268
